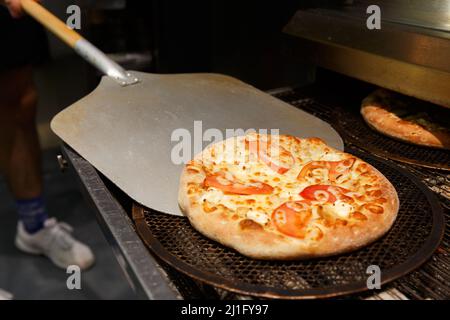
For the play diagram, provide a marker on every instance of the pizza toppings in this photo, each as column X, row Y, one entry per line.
column 309, row 167
column 272, row 154
column 342, row 209
column 212, row 195
column 292, row 217
column 339, row 168
column 257, row 216
column 328, row 216
column 335, row 168
column 323, row 193
column 228, row 184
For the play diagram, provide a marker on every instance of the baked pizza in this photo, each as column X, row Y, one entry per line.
column 282, row 197
column 406, row 119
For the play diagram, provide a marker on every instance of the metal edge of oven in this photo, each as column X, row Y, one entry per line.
column 144, row 274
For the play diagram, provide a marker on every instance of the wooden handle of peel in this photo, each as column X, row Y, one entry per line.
column 51, row 22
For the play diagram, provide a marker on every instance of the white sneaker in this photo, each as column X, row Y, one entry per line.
column 5, row 295
column 56, row 242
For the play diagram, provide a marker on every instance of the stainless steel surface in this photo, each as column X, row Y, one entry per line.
column 409, row 57
column 125, row 132
column 144, row 274
column 101, row 61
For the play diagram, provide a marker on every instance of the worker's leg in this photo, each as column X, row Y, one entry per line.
column 20, row 163
column 19, row 145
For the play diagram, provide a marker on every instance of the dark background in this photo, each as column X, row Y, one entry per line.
column 239, row 38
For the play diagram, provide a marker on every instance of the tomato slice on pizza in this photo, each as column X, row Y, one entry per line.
column 324, row 193
column 338, row 168
column 228, row 184
column 272, row 154
column 335, row 168
column 292, row 217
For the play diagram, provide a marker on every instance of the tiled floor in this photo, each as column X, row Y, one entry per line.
column 30, row 277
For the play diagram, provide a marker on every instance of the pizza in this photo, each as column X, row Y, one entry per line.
column 281, row 197
column 406, row 119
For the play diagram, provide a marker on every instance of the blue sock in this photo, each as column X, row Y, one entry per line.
column 32, row 213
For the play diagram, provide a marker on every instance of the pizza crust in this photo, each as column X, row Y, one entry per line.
column 259, row 242
column 376, row 112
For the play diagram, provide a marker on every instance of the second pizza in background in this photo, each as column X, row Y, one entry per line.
column 407, row 119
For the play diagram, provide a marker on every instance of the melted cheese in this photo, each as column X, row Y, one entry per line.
column 319, row 174
column 331, row 157
column 258, row 216
column 212, row 195
column 291, row 193
column 340, row 209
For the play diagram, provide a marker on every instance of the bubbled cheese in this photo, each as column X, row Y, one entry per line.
column 257, row 216
column 341, row 209
column 212, row 195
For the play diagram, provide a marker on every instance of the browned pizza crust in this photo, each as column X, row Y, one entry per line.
column 377, row 112
column 264, row 242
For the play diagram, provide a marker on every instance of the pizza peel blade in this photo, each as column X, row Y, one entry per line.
column 124, row 127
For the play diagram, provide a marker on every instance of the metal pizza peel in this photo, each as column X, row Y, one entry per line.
column 136, row 128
